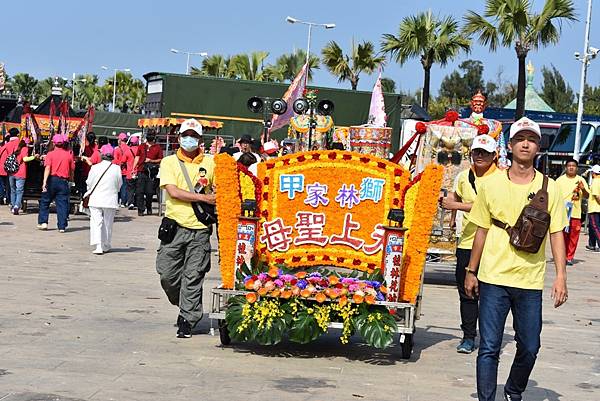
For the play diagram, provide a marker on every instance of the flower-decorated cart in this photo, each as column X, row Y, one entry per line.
column 320, row 240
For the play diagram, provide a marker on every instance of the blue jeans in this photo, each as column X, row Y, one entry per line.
column 4, row 188
column 123, row 191
column 17, row 187
column 58, row 191
column 494, row 303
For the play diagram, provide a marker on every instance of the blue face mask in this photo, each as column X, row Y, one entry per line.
column 189, row 143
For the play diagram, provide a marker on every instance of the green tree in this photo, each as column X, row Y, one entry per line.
column 216, row 65
column 591, row 100
column 130, row 93
column 293, row 62
column 388, row 85
column 556, row 92
column 346, row 67
column 431, row 39
column 88, row 92
column 513, row 23
column 24, row 85
column 459, row 86
column 248, row 66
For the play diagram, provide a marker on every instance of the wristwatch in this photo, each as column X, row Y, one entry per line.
column 470, row 271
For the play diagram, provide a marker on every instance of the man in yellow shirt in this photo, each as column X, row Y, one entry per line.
column 572, row 188
column 594, row 210
column 183, row 262
column 507, row 279
column 483, row 156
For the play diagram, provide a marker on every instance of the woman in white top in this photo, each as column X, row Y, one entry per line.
column 103, row 184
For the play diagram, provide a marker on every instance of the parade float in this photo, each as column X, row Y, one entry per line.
column 319, row 240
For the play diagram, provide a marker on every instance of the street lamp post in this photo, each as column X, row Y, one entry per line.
column 293, row 20
column 187, row 66
column 589, row 53
column 74, row 83
column 115, row 83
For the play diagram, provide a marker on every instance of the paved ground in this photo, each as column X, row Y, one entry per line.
column 76, row 326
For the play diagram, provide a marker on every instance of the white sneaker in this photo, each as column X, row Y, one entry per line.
column 43, row 226
column 98, row 250
column 105, row 248
column 61, row 231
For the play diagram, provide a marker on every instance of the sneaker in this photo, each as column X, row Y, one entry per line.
column 466, row 346
column 43, row 226
column 106, row 248
column 591, row 248
column 15, row 211
column 122, row 206
column 131, row 207
column 570, row 262
column 98, row 251
column 62, row 230
column 508, row 397
column 184, row 328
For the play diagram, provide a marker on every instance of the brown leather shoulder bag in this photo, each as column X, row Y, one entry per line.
column 530, row 230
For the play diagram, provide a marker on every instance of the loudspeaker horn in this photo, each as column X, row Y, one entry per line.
column 325, row 107
column 300, row 106
column 278, row 106
column 255, row 104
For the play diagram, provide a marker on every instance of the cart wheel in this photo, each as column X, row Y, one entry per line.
column 224, row 332
column 407, row 346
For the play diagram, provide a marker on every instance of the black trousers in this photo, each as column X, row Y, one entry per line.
column 469, row 307
column 144, row 192
column 131, row 191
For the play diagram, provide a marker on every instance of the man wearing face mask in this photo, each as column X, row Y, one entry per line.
column 183, row 262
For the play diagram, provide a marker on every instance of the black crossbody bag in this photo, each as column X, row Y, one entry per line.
column 205, row 212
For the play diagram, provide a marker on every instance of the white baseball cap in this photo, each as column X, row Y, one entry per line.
column 270, row 147
column 191, row 124
column 484, row 142
column 596, row 169
column 525, row 124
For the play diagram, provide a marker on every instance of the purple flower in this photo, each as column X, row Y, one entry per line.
column 301, row 284
column 247, row 278
column 348, row 280
column 353, row 287
column 380, row 297
column 315, row 274
column 263, row 276
column 287, row 277
column 278, row 283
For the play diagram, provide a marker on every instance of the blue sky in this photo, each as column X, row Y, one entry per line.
column 139, row 34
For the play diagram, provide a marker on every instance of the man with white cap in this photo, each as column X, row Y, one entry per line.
column 184, row 258
column 594, row 210
column 484, row 157
column 505, row 278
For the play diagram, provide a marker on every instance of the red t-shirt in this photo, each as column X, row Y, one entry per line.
column 154, row 152
column 11, row 148
column 61, row 163
column 124, row 157
column 93, row 154
column 5, row 151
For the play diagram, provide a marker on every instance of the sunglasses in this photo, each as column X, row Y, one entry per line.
column 454, row 158
column 480, row 152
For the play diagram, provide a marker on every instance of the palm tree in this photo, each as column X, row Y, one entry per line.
column 349, row 67
column 130, row 92
column 428, row 37
column 24, row 84
column 293, row 62
column 513, row 23
column 216, row 65
column 388, row 85
column 248, row 66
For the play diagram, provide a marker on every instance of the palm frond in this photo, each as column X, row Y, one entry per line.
column 476, row 24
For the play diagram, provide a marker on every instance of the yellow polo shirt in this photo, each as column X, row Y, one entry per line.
column 200, row 171
column 501, row 264
column 593, row 205
column 467, row 194
column 566, row 186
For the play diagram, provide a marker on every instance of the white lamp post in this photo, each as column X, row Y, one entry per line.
column 589, row 53
column 115, row 83
column 293, row 20
column 187, row 66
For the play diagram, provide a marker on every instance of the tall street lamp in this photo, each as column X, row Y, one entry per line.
column 293, row 20
column 115, row 83
column 187, row 66
column 73, row 84
column 589, row 53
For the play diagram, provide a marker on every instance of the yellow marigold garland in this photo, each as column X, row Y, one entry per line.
column 417, row 240
column 228, row 209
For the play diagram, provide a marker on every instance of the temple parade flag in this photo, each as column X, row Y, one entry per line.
column 377, row 116
column 295, row 91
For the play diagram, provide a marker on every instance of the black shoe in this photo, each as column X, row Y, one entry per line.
column 184, row 329
column 132, row 207
column 508, row 397
column 570, row 262
column 590, row 248
column 140, row 213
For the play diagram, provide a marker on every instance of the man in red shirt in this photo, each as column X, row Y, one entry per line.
column 13, row 135
column 124, row 157
column 60, row 167
column 147, row 163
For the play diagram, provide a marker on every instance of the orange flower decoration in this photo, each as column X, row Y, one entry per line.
column 358, row 299
column 343, row 301
column 262, row 291
column 305, row 293
column 249, row 284
column 251, row 297
column 333, row 280
column 300, row 274
column 370, row 299
column 320, row 297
